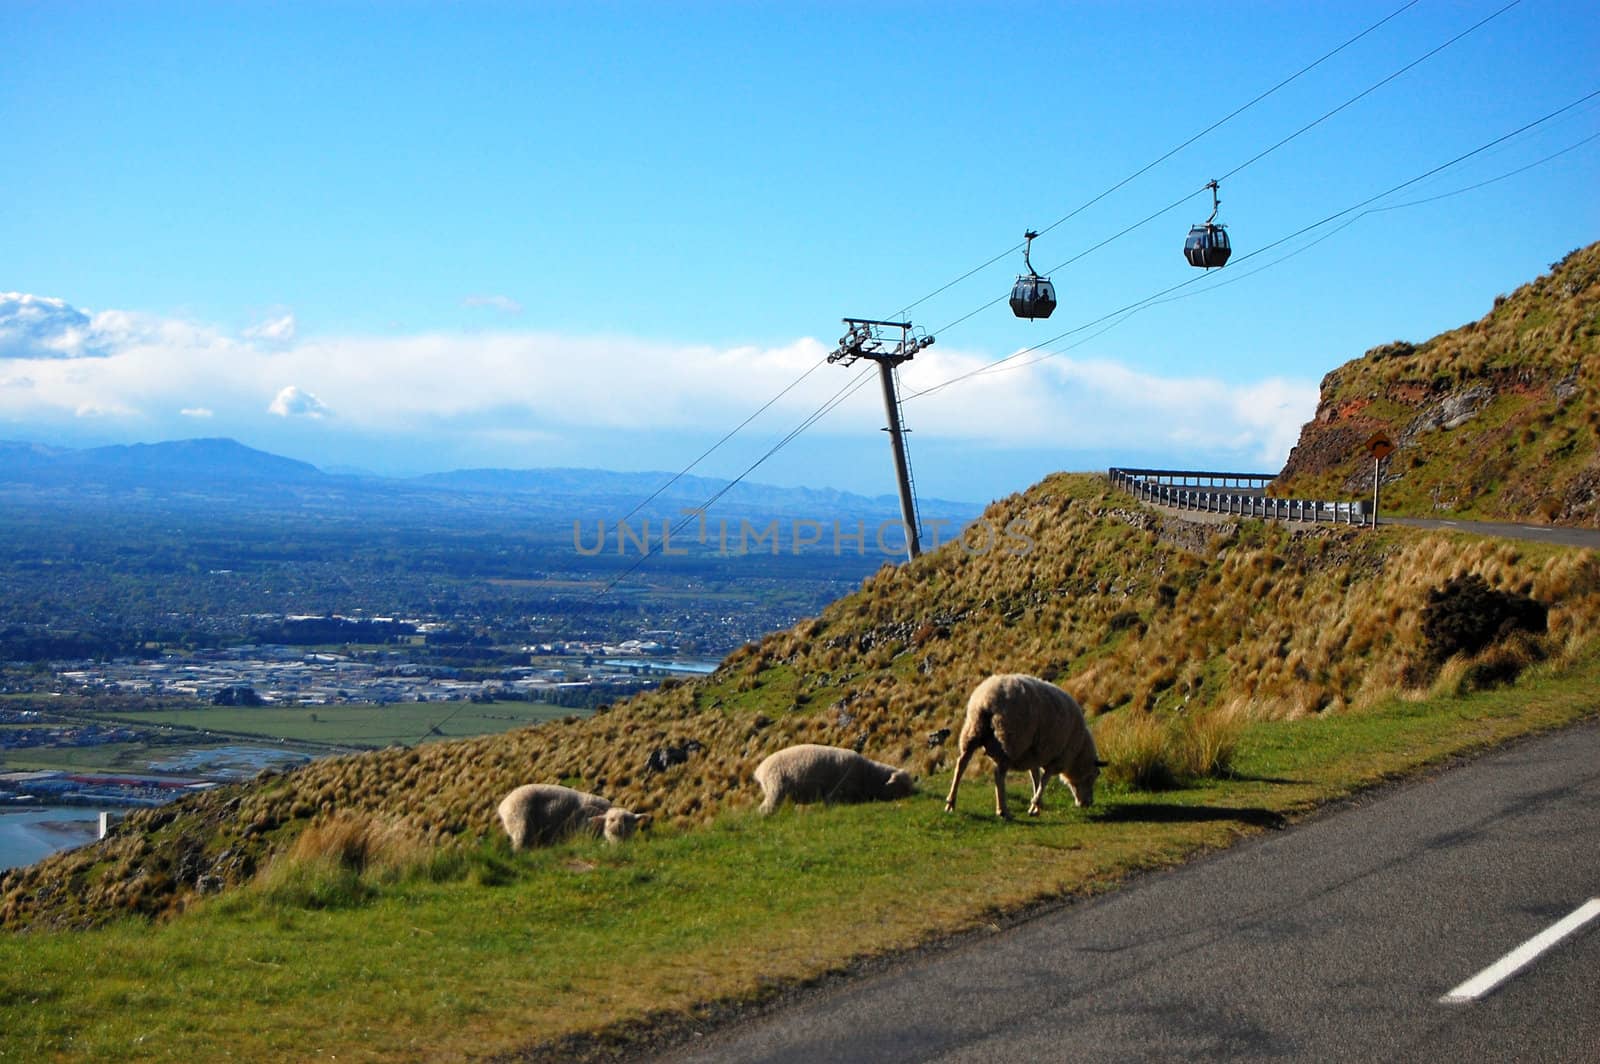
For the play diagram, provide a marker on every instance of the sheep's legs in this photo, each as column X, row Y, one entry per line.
column 955, row 783
column 1000, row 791
column 1039, row 777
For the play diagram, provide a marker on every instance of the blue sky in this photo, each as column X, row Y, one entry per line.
column 408, row 237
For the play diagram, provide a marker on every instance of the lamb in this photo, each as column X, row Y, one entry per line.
column 1027, row 723
column 538, row 814
column 811, row 773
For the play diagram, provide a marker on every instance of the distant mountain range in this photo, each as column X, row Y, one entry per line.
column 25, row 463
column 226, row 470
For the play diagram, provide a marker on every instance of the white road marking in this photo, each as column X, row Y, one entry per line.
column 1522, row 956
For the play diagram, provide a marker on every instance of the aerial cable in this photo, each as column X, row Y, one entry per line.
column 1160, row 296
column 1368, row 91
column 1012, row 250
column 838, row 397
column 1253, row 159
column 1380, row 210
column 1242, row 109
column 845, row 392
column 828, row 406
column 1161, row 159
column 726, row 437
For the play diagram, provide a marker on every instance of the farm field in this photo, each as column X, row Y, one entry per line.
column 355, row 725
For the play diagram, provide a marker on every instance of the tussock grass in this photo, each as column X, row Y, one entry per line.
column 342, row 860
column 1154, row 753
column 1528, row 373
column 583, row 937
column 1134, row 613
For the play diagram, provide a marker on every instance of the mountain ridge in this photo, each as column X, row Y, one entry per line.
column 225, row 461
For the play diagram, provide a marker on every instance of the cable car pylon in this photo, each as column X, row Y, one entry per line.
column 866, row 339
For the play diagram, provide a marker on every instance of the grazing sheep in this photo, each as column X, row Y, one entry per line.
column 1027, row 723
column 538, row 814
column 812, row 773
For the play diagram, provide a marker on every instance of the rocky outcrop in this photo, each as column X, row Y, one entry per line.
column 1497, row 419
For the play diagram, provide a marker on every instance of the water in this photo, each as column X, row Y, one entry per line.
column 235, row 762
column 701, row 668
column 32, row 834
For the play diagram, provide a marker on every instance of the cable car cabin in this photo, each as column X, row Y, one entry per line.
column 1033, row 297
column 1207, row 247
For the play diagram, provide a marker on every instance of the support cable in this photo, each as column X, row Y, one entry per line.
column 1236, row 112
column 726, row 437
column 1159, row 296
column 1120, row 184
column 1235, row 278
column 1248, row 162
column 816, row 415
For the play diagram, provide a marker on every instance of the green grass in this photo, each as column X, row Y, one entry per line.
column 121, row 757
column 482, row 951
column 357, row 725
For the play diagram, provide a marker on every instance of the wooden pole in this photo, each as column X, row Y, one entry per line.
column 1376, row 479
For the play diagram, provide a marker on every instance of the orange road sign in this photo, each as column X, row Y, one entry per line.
column 1380, row 446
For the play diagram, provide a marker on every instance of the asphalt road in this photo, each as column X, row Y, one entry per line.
column 1560, row 535
column 1331, row 941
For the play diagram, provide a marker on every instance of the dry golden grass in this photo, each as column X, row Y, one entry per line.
column 1531, row 449
column 1147, row 751
column 1258, row 622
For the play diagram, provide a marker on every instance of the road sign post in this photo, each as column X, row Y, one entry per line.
column 1380, row 446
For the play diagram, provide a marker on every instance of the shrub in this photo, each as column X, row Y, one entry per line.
column 1466, row 615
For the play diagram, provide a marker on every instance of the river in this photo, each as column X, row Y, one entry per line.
column 35, row 832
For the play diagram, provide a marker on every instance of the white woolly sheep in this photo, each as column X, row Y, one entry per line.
column 813, row 773
column 538, row 814
column 1027, row 723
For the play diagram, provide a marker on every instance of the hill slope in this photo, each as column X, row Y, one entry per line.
column 1142, row 617
column 1497, row 419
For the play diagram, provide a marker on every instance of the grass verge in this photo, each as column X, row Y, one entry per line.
column 486, row 952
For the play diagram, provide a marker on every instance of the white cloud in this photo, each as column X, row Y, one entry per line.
column 292, row 402
column 504, row 304
column 1099, row 405
column 38, row 327
column 279, row 330
column 512, row 396
column 98, row 410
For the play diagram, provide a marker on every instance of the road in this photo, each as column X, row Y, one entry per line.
column 1332, row 941
column 1559, row 535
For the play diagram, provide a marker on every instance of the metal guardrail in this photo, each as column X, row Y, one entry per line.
column 1245, row 496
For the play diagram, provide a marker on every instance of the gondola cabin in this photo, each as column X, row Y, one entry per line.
column 1033, row 297
column 1207, row 247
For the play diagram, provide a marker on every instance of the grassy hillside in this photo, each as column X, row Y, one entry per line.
column 1497, row 419
column 1171, row 634
column 1236, row 674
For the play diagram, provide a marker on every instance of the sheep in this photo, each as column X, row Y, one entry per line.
column 1027, row 723
column 811, row 773
column 538, row 814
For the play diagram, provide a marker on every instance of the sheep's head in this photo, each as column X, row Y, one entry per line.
column 1082, row 787
column 618, row 824
column 899, row 784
